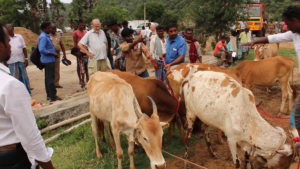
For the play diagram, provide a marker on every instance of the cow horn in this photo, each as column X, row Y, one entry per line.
column 136, row 109
column 153, row 105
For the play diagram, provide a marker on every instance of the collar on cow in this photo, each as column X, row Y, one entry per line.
column 283, row 140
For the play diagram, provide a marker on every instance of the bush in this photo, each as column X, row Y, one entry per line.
column 213, row 44
column 41, row 123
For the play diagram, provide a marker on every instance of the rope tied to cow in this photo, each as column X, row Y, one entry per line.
column 199, row 166
column 269, row 115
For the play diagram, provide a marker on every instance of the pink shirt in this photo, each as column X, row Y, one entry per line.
column 284, row 26
column 78, row 35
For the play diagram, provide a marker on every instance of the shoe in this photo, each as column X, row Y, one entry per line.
column 56, row 99
column 58, row 86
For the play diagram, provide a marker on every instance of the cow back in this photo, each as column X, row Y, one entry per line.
column 153, row 87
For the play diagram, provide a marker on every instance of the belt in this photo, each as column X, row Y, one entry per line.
column 9, row 147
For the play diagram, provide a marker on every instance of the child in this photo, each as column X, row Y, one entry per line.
column 83, row 67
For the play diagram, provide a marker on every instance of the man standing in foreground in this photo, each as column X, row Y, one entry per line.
column 193, row 47
column 17, row 63
column 176, row 47
column 96, row 41
column 21, row 143
column 158, row 47
column 132, row 51
column 109, row 55
column 48, row 56
column 291, row 17
column 77, row 36
column 58, row 45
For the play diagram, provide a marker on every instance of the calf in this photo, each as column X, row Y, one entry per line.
column 229, row 107
column 265, row 51
column 112, row 101
column 266, row 72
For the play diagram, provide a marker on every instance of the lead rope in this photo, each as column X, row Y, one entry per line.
column 297, row 140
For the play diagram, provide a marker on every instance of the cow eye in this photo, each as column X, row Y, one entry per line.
column 145, row 139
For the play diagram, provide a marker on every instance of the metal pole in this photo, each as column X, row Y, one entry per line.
column 145, row 14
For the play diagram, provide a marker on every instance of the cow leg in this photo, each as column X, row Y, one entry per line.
column 208, row 143
column 247, row 159
column 101, row 130
column 95, row 133
column 233, row 150
column 284, row 90
column 191, row 118
column 170, row 132
column 179, row 127
column 220, row 139
column 110, row 138
column 119, row 150
column 291, row 94
column 130, row 153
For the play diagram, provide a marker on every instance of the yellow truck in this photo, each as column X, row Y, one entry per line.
column 256, row 15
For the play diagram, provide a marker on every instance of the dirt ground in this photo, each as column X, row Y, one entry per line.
column 30, row 38
column 271, row 104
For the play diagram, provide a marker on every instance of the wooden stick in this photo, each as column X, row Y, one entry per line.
column 44, row 130
column 67, row 131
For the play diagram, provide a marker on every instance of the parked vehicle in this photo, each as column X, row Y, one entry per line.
column 138, row 28
column 59, row 31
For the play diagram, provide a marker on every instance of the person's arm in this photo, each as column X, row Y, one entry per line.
column 24, row 123
column 75, row 39
column 43, row 49
column 25, row 56
column 62, row 46
column 140, row 39
column 278, row 38
column 162, row 56
column 83, row 42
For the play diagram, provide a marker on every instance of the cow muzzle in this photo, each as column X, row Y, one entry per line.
column 160, row 166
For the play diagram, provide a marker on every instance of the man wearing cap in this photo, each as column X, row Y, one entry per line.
column 58, row 45
column 97, row 45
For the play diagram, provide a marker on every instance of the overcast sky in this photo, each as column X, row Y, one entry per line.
column 64, row 1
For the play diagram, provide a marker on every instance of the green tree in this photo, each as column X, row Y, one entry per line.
column 214, row 17
column 79, row 10
column 110, row 11
column 275, row 8
column 154, row 11
column 168, row 17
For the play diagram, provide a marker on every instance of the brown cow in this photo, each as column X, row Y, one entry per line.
column 266, row 72
column 156, row 89
column 176, row 76
column 265, row 51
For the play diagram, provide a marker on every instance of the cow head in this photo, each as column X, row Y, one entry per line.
column 258, row 52
column 148, row 133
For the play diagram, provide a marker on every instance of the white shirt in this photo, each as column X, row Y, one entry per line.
column 96, row 44
column 17, row 122
column 17, row 44
column 287, row 37
column 153, row 50
column 243, row 25
column 249, row 36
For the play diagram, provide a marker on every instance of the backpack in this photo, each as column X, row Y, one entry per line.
column 35, row 58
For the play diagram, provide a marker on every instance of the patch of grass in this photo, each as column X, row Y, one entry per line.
column 77, row 150
column 290, row 53
column 247, row 57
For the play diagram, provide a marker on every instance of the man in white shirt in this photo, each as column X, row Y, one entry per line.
column 158, row 47
column 17, row 63
column 21, row 143
column 97, row 45
column 243, row 25
column 291, row 17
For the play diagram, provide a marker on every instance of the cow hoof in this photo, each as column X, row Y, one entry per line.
column 198, row 136
column 217, row 156
column 99, row 155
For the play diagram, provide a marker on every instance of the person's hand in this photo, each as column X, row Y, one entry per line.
column 161, row 57
column 140, row 39
column 55, row 55
column 112, row 52
column 25, row 63
column 168, row 66
column 250, row 44
column 65, row 57
column 122, row 56
column 90, row 55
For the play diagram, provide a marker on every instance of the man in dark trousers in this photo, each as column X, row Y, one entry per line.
column 48, row 56
column 21, row 143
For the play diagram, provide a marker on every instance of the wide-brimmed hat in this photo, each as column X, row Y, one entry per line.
column 66, row 61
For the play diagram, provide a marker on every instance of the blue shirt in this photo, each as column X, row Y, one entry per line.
column 175, row 48
column 45, row 47
column 229, row 48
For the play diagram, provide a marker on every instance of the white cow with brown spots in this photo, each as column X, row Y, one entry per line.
column 220, row 102
column 112, row 101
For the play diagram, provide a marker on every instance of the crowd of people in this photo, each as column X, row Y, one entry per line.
column 21, row 144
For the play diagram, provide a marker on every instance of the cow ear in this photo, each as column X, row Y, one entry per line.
column 164, row 125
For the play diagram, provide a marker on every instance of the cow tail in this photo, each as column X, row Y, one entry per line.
column 294, row 87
